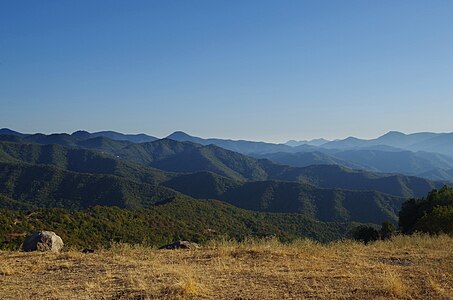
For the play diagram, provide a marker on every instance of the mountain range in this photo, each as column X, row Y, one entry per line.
column 79, row 170
column 188, row 187
column 425, row 154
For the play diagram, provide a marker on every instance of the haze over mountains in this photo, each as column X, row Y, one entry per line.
column 428, row 155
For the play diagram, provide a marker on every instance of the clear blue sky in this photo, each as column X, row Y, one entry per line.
column 259, row 70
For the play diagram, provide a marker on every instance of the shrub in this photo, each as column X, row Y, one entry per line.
column 365, row 234
column 387, row 230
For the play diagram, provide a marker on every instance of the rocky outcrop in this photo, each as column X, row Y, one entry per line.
column 43, row 241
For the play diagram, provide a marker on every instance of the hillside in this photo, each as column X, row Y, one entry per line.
column 187, row 157
column 78, row 160
column 332, row 176
column 373, row 160
column 305, row 159
column 32, row 186
column 182, row 218
column 403, row 162
column 180, row 157
column 277, row 196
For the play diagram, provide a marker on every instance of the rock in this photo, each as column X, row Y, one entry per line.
column 181, row 245
column 43, row 241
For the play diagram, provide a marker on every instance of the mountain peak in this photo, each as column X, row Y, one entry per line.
column 7, row 131
column 82, row 134
column 178, row 135
column 351, row 138
column 394, row 133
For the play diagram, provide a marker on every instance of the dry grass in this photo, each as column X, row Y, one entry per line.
column 417, row 267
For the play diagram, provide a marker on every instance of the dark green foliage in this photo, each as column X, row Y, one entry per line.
column 323, row 204
column 439, row 220
column 169, row 155
column 48, row 186
column 365, row 234
column 118, row 173
column 387, row 230
column 433, row 214
column 279, row 196
column 77, row 160
column 332, row 176
column 103, row 144
column 99, row 179
column 194, row 220
column 187, row 157
column 202, row 185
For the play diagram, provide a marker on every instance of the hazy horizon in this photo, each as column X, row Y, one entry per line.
column 256, row 70
column 218, row 137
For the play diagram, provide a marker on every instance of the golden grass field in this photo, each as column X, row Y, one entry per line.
column 416, row 267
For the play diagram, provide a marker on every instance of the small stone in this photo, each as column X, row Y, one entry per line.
column 181, row 245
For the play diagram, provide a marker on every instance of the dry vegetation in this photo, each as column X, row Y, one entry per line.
column 417, row 267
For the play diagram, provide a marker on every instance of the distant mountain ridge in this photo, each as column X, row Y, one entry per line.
column 314, row 142
column 185, row 157
column 421, row 141
column 423, row 164
column 424, row 154
column 134, row 138
column 241, row 146
column 65, row 138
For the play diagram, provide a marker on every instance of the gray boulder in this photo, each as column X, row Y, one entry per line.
column 43, row 241
column 181, row 245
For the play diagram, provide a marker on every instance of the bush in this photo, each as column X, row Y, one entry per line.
column 387, row 230
column 365, row 234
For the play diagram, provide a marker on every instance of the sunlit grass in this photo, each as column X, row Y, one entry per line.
column 407, row 267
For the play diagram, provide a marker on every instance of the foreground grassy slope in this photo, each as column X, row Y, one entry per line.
column 181, row 218
column 408, row 267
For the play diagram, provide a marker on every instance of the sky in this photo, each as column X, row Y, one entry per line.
column 256, row 70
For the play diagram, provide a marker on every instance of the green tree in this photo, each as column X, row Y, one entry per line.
column 432, row 214
column 440, row 220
